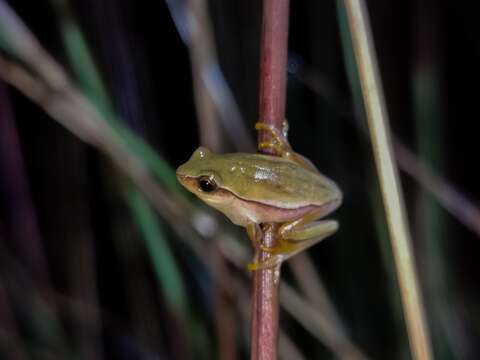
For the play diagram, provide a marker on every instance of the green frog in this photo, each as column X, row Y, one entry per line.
column 253, row 189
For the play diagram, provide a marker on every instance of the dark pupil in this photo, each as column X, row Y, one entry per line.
column 207, row 185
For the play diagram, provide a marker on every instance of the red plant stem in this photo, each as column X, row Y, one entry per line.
column 273, row 62
column 273, row 79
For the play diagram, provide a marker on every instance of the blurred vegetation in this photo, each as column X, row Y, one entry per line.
column 102, row 255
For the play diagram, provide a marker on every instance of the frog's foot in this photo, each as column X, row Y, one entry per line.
column 271, row 262
column 276, row 255
column 282, row 253
column 284, row 250
column 295, row 238
column 279, row 141
column 278, row 149
column 282, row 246
column 278, row 135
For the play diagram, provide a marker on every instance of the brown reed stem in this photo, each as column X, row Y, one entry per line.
column 273, row 79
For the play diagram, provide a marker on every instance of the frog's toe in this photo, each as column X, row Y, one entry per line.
column 275, row 260
column 279, row 149
column 278, row 135
column 283, row 247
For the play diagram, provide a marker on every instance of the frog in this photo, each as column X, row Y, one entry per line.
column 282, row 188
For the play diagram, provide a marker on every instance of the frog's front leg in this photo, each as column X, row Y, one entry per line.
column 279, row 141
column 281, row 146
column 297, row 236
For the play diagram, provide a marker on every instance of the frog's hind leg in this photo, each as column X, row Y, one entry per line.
column 297, row 236
column 288, row 248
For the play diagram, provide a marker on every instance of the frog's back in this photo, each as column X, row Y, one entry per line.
column 274, row 181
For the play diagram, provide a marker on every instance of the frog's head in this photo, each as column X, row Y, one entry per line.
column 207, row 175
column 201, row 176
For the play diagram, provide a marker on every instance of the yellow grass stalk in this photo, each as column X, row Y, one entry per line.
column 392, row 194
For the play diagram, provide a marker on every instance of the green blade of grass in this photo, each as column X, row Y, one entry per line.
column 159, row 250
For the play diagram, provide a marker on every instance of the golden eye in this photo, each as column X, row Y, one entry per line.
column 207, row 184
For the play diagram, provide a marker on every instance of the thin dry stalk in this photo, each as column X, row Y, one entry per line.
column 201, row 50
column 316, row 310
column 213, row 98
column 287, row 348
column 273, row 80
column 448, row 196
column 392, row 194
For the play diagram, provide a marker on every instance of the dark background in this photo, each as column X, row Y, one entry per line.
column 91, row 252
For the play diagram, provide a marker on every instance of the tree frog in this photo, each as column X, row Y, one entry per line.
column 252, row 189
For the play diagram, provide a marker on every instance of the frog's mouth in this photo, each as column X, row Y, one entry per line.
column 190, row 183
column 330, row 207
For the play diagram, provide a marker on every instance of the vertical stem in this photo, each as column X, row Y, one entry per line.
column 201, row 49
column 391, row 191
column 273, row 62
column 21, row 216
column 273, row 78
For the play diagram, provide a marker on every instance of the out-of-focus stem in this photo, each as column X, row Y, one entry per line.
column 201, row 49
column 320, row 325
column 328, row 325
column 273, row 78
column 194, row 25
column 391, row 191
column 22, row 217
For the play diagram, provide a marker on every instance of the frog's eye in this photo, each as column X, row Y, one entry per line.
column 207, row 184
